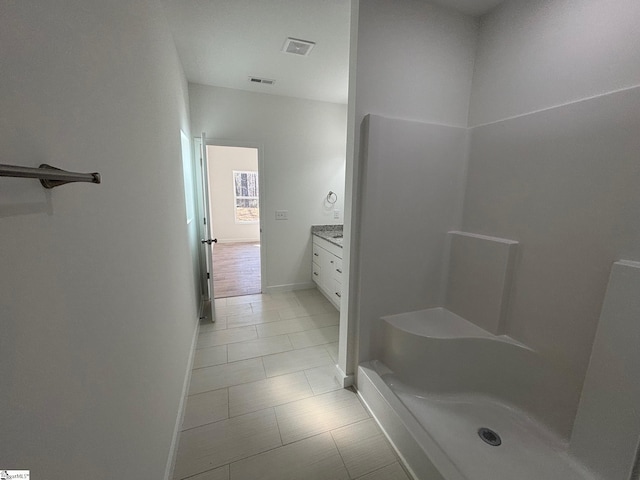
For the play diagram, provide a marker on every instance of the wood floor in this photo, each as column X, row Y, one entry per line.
column 236, row 269
column 263, row 403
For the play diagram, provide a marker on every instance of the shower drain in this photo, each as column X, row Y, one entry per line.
column 489, row 436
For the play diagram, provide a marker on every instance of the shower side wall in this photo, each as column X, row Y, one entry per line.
column 412, row 191
column 389, row 79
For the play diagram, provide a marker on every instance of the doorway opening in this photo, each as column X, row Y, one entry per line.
column 234, row 203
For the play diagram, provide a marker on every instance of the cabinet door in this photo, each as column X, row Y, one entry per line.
column 336, row 291
column 336, row 273
column 326, row 271
column 328, row 261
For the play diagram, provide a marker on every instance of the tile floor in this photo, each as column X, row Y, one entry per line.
column 236, row 269
column 263, row 403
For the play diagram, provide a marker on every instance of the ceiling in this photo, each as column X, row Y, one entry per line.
column 224, row 42
column 470, row 7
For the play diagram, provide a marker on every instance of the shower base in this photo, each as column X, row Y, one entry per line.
column 437, row 434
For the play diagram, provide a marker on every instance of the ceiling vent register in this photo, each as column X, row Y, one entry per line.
column 295, row 46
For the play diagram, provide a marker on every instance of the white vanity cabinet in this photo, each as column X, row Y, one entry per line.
column 327, row 269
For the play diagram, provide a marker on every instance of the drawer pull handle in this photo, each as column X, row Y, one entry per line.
column 316, row 255
column 338, row 270
column 315, row 273
column 331, row 261
column 339, row 296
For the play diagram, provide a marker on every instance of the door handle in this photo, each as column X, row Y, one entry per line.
column 209, row 241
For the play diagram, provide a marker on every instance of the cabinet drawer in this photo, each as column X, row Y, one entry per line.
column 317, row 273
column 318, row 254
column 337, row 269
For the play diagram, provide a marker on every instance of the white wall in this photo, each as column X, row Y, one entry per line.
column 303, row 143
column 535, row 54
column 222, row 161
column 414, row 62
column 98, row 303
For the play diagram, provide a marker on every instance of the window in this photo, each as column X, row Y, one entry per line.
column 245, row 192
column 187, row 173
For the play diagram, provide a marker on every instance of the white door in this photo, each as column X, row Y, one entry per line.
column 207, row 239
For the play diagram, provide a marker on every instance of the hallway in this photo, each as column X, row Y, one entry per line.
column 263, row 403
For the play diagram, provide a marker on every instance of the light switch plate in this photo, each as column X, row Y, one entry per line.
column 336, row 214
column 282, row 214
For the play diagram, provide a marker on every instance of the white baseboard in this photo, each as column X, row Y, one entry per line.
column 238, row 240
column 173, row 449
column 290, row 287
column 342, row 378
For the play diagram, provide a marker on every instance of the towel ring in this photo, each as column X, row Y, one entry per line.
column 332, row 198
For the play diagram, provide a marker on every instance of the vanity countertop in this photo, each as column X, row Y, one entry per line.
column 330, row 233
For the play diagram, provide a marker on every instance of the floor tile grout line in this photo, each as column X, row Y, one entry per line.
column 349, row 422
column 275, row 448
column 255, row 324
column 368, row 419
column 227, row 386
column 226, row 360
column 232, row 418
column 196, row 474
column 325, row 431
column 214, row 365
column 313, row 395
column 228, row 343
column 275, row 413
column 264, row 369
column 295, row 349
column 379, row 433
column 211, row 470
column 309, row 382
column 304, row 372
column 260, row 356
column 208, row 391
column 335, row 444
column 230, row 363
column 373, row 471
column 279, row 404
column 297, row 331
column 323, row 345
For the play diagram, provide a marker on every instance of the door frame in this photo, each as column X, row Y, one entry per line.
column 222, row 142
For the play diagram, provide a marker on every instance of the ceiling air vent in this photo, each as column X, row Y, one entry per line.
column 263, row 81
column 296, row 46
